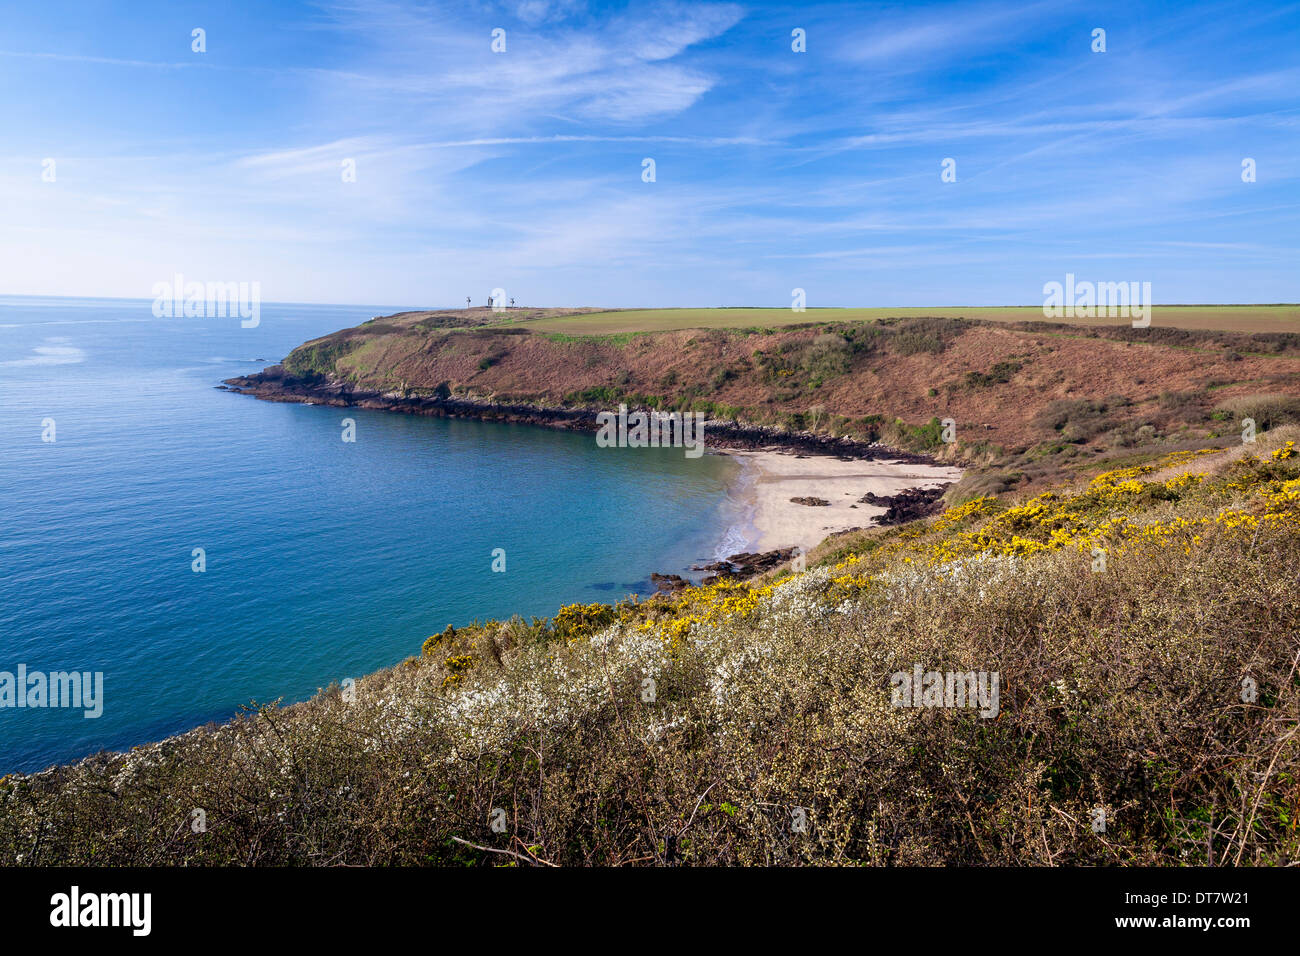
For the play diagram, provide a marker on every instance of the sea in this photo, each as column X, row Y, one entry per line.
column 204, row 551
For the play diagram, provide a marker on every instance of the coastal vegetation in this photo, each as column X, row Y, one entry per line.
column 1031, row 403
column 1143, row 619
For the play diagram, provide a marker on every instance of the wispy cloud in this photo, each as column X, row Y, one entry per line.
column 614, row 70
column 524, row 169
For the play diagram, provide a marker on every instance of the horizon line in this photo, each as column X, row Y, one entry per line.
column 643, row 308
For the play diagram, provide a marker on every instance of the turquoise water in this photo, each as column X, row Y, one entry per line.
column 324, row 559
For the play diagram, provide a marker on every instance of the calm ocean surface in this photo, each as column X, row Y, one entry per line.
column 324, row 559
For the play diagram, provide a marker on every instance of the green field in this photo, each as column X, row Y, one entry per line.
column 1226, row 318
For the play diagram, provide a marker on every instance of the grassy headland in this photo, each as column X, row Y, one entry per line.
column 1033, row 402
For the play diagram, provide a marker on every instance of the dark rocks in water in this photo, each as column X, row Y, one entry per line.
column 715, row 566
column 907, row 505
column 745, row 565
column 668, row 583
column 812, row 502
column 275, row 384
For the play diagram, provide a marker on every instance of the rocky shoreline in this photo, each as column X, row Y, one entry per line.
column 907, row 505
column 275, row 385
column 737, row 567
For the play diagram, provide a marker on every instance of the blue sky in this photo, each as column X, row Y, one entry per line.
column 775, row 169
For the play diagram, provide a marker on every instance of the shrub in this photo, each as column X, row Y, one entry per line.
column 1268, row 411
column 1076, row 419
column 719, row 377
column 828, row 355
column 999, row 374
column 914, row 343
column 713, row 715
column 924, row 437
column 1179, row 401
column 319, row 359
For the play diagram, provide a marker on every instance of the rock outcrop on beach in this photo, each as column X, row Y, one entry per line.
column 907, row 505
column 745, row 564
column 738, row 567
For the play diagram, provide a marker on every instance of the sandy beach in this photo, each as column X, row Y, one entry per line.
column 773, row 477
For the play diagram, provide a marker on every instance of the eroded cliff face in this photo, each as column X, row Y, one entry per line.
column 1017, row 396
column 275, row 385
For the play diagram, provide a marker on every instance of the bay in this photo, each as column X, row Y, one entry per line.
column 324, row 559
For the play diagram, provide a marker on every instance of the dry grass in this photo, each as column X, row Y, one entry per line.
column 1120, row 690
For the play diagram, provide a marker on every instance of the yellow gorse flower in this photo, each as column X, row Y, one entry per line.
column 1104, row 515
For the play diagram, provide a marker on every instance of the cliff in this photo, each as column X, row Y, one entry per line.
column 1030, row 402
